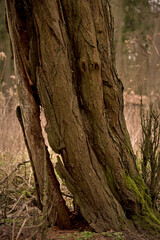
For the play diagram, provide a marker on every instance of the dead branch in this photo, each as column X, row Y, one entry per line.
column 15, row 204
column 13, row 171
column 24, row 206
column 35, row 226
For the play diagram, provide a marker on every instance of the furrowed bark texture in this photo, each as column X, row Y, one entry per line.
column 66, row 56
column 19, row 26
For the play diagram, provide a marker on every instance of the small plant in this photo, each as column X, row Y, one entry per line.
column 65, row 237
column 115, row 236
column 150, row 151
column 118, row 236
column 107, row 234
column 85, row 236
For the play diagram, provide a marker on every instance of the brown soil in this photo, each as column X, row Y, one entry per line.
column 55, row 233
column 71, row 235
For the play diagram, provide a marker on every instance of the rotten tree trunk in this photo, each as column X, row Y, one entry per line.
column 65, row 53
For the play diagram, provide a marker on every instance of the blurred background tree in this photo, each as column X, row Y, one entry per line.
column 5, row 47
column 11, row 142
column 137, row 40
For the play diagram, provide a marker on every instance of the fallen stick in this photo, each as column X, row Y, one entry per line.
column 19, row 233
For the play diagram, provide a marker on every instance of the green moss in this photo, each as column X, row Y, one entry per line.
column 140, row 190
column 111, row 182
column 147, row 223
column 131, row 185
column 144, row 190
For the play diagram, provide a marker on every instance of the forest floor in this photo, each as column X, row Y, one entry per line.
column 20, row 219
column 110, row 235
column 55, row 233
column 17, row 230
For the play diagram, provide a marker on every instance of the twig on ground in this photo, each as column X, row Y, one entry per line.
column 34, row 226
column 37, row 230
column 24, row 206
column 13, row 229
column 19, row 233
column 33, row 236
column 6, row 201
column 15, row 204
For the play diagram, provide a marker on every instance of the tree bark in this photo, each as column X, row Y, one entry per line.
column 66, row 55
column 30, row 113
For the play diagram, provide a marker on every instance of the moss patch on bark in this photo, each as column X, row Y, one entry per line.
column 147, row 218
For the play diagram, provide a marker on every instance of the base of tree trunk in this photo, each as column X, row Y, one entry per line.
column 65, row 63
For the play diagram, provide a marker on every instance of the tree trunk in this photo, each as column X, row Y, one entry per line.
column 64, row 52
column 29, row 115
